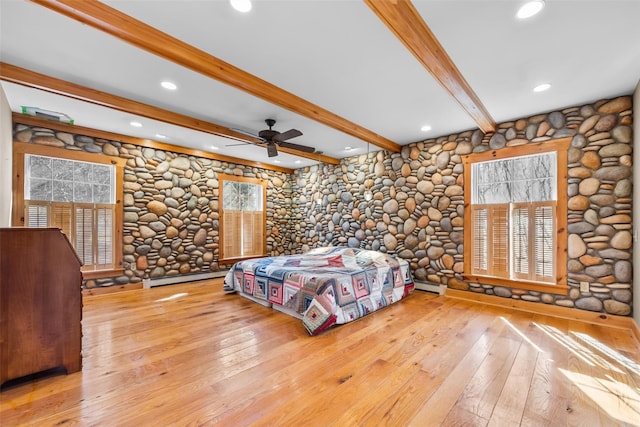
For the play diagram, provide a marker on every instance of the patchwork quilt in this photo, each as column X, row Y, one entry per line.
column 325, row 286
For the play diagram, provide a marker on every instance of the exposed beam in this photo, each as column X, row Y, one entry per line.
column 142, row 142
column 32, row 79
column 146, row 37
column 406, row 23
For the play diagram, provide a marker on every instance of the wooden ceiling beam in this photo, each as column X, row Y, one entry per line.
column 105, row 18
column 406, row 23
column 32, row 79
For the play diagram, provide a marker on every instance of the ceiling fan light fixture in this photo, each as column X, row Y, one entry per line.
column 272, row 151
column 243, row 6
column 530, row 9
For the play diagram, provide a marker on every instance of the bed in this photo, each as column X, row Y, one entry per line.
column 324, row 287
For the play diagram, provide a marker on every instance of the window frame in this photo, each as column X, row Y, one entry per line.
column 21, row 149
column 560, row 146
column 224, row 258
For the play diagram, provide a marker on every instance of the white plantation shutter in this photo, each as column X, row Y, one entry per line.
column 84, row 234
column 479, row 223
column 104, row 215
column 545, row 228
column 499, row 240
column 37, row 215
column 520, row 241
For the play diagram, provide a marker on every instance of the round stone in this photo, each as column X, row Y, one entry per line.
column 623, row 188
column 622, row 270
column 578, row 203
column 589, row 303
column 497, row 141
column 434, row 214
column 434, row 252
column 617, row 307
column 390, row 207
column 200, row 237
column 576, row 247
column 606, row 123
column 613, row 173
column 614, row 150
column 589, row 186
column 146, row 232
column 591, row 160
column 622, row 134
column 425, row 187
column 390, row 242
column 181, row 163
column 622, row 240
column 617, row 105
column 157, row 207
column 502, row 292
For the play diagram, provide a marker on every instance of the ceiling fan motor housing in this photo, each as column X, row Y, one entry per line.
column 268, row 134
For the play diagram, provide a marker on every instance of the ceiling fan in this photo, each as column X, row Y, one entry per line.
column 272, row 138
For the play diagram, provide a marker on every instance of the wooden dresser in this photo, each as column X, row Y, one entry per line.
column 40, row 303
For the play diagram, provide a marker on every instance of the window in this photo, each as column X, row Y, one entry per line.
column 243, row 217
column 78, row 193
column 77, row 197
column 515, row 221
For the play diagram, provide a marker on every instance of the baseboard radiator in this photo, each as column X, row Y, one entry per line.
column 430, row 287
column 182, row 278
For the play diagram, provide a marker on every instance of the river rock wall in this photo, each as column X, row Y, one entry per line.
column 171, row 206
column 416, row 209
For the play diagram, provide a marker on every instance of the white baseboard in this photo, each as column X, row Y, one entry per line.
column 430, row 287
column 182, row 278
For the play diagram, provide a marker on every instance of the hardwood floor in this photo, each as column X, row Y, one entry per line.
column 191, row 355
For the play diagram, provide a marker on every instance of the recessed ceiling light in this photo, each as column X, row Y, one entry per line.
column 213, row 147
column 136, row 124
column 348, row 148
column 168, row 85
column 530, row 8
column 297, row 162
column 243, row 6
column 276, row 161
column 542, row 87
column 161, row 136
column 425, row 128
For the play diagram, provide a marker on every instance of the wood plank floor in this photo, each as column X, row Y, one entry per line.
column 190, row 355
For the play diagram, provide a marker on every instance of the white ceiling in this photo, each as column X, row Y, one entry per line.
column 336, row 54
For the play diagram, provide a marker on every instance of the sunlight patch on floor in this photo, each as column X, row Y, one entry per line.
column 172, row 297
column 619, row 400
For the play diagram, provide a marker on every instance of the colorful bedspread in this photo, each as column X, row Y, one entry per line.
column 325, row 286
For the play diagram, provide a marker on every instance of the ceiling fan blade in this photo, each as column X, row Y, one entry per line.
column 298, row 147
column 291, row 133
column 244, row 132
column 272, row 151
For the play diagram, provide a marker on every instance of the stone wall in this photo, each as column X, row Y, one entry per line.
column 171, row 216
column 416, row 211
